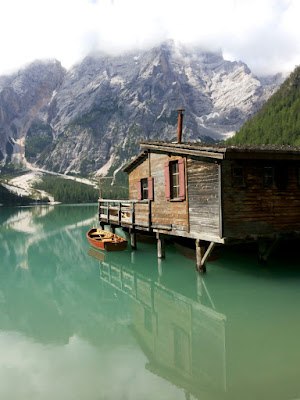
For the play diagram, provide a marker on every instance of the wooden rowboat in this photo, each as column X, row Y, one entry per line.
column 106, row 240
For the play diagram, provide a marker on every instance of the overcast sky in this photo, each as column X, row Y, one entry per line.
column 265, row 34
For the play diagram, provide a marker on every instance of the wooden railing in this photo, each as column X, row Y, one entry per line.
column 128, row 213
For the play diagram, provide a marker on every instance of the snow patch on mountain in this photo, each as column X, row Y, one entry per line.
column 103, row 170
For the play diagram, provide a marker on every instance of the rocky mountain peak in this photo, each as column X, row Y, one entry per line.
column 21, row 97
column 92, row 117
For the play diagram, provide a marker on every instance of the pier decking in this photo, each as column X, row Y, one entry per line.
column 126, row 213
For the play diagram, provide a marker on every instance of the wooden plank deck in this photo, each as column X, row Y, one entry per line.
column 136, row 215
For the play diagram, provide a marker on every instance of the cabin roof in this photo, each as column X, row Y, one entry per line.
column 220, row 147
column 136, row 161
column 217, row 151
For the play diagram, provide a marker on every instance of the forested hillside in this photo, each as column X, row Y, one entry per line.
column 67, row 191
column 278, row 121
column 8, row 198
column 70, row 191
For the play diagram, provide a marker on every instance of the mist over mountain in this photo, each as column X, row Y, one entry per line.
column 91, row 118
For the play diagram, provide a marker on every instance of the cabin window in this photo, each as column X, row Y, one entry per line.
column 175, row 179
column 148, row 319
column 144, row 184
column 181, row 349
column 298, row 173
column 281, row 177
column 268, row 177
column 174, row 175
column 238, row 178
column 145, row 189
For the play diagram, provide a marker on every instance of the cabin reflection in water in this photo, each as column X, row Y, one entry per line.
column 183, row 338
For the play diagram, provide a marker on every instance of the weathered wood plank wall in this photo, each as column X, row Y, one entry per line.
column 172, row 213
column 203, row 185
column 255, row 209
column 141, row 171
column 141, row 214
column 164, row 213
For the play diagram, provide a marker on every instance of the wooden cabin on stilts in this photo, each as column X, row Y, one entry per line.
column 211, row 193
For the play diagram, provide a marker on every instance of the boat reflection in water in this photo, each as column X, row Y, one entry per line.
column 183, row 338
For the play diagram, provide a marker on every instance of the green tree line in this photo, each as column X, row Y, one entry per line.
column 8, row 198
column 278, row 121
column 67, row 191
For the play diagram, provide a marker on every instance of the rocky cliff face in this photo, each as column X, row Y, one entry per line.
column 21, row 97
column 92, row 117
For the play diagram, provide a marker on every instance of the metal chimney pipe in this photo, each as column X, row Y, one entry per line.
column 179, row 128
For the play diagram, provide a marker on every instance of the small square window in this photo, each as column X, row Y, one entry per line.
column 238, row 179
column 268, row 177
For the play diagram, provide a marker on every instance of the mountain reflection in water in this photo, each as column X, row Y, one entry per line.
column 79, row 323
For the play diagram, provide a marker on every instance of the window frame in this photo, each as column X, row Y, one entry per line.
column 141, row 188
column 148, row 321
column 238, row 180
column 174, row 179
column 144, row 189
column 266, row 177
column 169, row 179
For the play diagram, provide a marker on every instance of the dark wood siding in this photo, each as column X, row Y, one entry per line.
column 258, row 210
column 203, row 197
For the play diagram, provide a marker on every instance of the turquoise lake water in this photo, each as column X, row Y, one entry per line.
column 76, row 323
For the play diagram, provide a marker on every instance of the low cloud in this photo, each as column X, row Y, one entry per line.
column 263, row 33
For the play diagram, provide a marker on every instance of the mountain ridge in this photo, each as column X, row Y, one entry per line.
column 90, row 118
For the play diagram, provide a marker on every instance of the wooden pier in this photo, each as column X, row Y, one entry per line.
column 135, row 215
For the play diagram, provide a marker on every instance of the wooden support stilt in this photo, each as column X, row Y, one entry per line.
column 199, row 255
column 202, row 255
column 112, row 228
column 159, row 268
column 160, row 246
column 265, row 248
column 208, row 252
column 132, row 238
column 132, row 257
column 119, row 214
column 262, row 248
column 199, row 287
column 187, row 395
column 102, row 225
